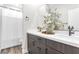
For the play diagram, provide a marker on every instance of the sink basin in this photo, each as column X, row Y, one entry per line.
column 66, row 34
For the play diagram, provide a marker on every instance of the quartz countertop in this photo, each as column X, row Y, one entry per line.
column 61, row 37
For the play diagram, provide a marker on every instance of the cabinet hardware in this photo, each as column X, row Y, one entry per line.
column 39, row 49
column 39, row 39
column 46, row 51
column 33, row 43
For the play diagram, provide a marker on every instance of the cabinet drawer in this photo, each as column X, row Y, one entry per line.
column 41, row 40
column 55, row 45
column 41, row 50
column 32, row 40
column 31, row 37
column 37, row 39
column 52, row 51
column 34, row 50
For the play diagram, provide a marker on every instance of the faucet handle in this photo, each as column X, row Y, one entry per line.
column 72, row 27
column 68, row 27
column 73, row 30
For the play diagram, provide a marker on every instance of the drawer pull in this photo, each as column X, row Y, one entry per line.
column 46, row 51
column 39, row 49
column 39, row 39
column 33, row 43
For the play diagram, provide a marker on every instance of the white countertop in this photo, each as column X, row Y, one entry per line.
column 62, row 38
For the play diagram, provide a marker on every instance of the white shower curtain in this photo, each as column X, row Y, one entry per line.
column 11, row 28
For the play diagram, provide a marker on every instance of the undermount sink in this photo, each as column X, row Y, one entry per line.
column 66, row 34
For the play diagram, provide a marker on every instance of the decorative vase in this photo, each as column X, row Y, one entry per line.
column 50, row 29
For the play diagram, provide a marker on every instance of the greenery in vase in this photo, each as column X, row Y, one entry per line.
column 51, row 21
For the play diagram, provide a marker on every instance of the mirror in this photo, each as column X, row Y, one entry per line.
column 69, row 14
column 74, row 18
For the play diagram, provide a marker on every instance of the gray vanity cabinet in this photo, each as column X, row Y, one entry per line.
column 39, row 45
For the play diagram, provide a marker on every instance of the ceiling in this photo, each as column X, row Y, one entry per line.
column 68, row 6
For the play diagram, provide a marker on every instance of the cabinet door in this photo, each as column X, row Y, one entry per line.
column 70, row 49
column 75, row 50
column 41, row 50
column 51, row 51
column 55, row 45
column 32, row 42
column 41, row 45
column 41, row 40
column 32, row 47
column 36, row 45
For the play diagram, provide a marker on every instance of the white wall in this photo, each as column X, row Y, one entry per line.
column 35, row 14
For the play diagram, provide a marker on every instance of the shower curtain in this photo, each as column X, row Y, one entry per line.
column 11, row 28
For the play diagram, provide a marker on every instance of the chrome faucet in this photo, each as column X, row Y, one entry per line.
column 71, row 30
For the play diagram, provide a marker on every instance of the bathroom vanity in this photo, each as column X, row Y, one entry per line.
column 39, row 43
